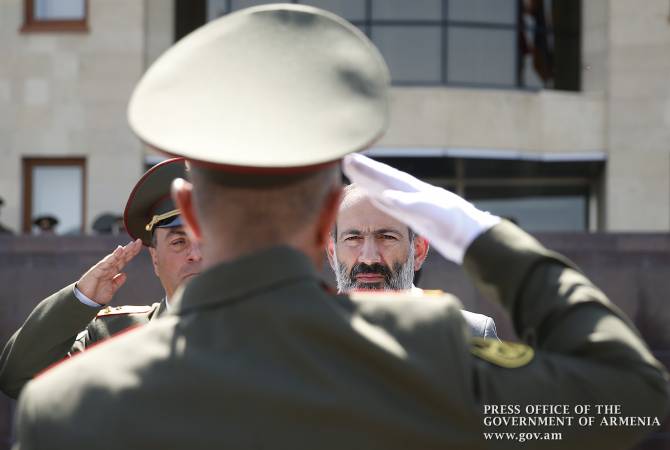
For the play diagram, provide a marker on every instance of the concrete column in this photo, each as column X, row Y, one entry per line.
column 638, row 115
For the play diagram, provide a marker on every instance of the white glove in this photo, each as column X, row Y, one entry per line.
column 449, row 222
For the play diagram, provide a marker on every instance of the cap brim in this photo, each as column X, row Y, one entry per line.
column 152, row 188
column 175, row 222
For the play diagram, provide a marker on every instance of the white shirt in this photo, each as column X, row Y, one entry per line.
column 93, row 304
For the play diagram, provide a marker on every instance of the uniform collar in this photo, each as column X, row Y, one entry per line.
column 230, row 281
column 159, row 310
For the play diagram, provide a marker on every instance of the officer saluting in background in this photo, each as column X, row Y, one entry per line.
column 256, row 353
column 75, row 317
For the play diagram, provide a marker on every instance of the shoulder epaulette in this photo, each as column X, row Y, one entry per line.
column 374, row 294
column 127, row 309
column 510, row 355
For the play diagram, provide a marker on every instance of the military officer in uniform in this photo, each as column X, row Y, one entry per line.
column 369, row 249
column 77, row 316
column 46, row 224
column 255, row 351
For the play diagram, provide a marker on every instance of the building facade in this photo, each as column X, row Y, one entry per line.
column 553, row 113
column 67, row 69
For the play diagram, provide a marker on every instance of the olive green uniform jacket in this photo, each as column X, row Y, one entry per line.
column 54, row 331
column 61, row 326
column 276, row 361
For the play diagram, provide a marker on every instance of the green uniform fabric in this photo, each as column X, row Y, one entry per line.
column 276, row 361
column 58, row 327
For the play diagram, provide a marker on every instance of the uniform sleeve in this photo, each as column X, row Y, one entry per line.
column 51, row 331
column 586, row 350
column 27, row 437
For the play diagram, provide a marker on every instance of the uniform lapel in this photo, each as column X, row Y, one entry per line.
column 162, row 309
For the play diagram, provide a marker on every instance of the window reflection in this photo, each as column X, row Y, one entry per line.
column 404, row 10
column 352, row 10
column 484, row 11
column 538, row 195
column 527, row 44
column 412, row 53
column 481, row 56
column 550, row 213
column 59, row 10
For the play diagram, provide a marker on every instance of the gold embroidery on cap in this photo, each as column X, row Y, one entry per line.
column 157, row 218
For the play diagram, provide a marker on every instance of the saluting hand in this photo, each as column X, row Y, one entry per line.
column 101, row 281
column 448, row 221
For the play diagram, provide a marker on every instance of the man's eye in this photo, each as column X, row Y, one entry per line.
column 389, row 237
column 178, row 242
column 352, row 238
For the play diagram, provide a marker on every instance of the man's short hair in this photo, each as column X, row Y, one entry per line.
column 269, row 211
column 347, row 192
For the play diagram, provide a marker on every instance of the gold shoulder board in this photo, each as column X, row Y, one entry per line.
column 373, row 294
column 510, row 355
column 128, row 309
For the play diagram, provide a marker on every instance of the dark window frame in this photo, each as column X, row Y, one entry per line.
column 465, row 177
column 29, row 163
column 32, row 24
column 550, row 32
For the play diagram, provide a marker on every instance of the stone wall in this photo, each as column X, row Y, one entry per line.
column 528, row 122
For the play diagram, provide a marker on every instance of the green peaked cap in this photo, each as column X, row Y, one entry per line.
column 150, row 199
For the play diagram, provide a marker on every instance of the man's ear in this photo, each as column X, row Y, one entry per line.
column 330, row 251
column 420, row 251
column 182, row 195
column 154, row 260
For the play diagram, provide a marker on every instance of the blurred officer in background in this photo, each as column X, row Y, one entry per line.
column 75, row 317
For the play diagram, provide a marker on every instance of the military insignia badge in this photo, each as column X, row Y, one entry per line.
column 510, row 355
column 127, row 309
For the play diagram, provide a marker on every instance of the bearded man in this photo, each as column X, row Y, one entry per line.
column 370, row 250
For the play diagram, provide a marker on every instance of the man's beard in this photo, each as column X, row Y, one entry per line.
column 399, row 277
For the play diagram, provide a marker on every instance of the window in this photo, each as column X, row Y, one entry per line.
column 481, row 56
column 55, row 187
column 541, row 206
column 411, row 52
column 539, row 194
column 352, row 11
column 55, row 15
column 525, row 44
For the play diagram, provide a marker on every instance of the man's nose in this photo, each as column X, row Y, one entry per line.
column 369, row 252
column 194, row 253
